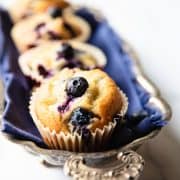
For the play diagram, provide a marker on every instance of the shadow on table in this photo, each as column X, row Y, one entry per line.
column 162, row 157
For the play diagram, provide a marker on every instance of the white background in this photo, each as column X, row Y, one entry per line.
column 153, row 28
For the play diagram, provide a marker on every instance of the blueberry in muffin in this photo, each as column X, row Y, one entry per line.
column 55, row 12
column 46, row 60
column 76, row 86
column 75, row 107
column 49, row 27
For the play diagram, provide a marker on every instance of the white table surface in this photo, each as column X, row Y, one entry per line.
column 153, row 28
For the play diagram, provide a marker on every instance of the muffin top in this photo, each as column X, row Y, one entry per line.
column 31, row 31
column 73, row 99
column 47, row 59
column 42, row 27
column 22, row 9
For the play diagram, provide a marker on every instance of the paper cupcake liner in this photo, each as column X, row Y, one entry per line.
column 124, row 107
column 75, row 142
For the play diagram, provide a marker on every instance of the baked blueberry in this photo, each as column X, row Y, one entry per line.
column 76, row 86
column 80, row 117
column 65, row 106
column 67, row 51
column 70, row 29
column 74, row 64
column 55, row 12
column 39, row 26
column 53, row 36
column 38, row 29
column 31, row 46
column 43, row 72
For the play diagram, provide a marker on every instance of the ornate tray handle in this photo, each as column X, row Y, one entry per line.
column 126, row 165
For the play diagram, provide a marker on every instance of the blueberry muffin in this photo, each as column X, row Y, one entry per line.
column 74, row 109
column 41, row 28
column 22, row 9
column 47, row 59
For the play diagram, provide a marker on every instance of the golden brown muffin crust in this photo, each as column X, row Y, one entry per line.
column 45, row 55
column 24, row 8
column 25, row 33
column 102, row 98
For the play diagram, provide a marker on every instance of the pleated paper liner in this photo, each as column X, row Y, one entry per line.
column 74, row 141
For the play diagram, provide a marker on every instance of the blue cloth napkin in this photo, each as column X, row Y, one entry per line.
column 140, row 119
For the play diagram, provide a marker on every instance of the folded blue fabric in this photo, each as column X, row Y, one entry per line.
column 141, row 119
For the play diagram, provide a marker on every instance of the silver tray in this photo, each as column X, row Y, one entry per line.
column 121, row 163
